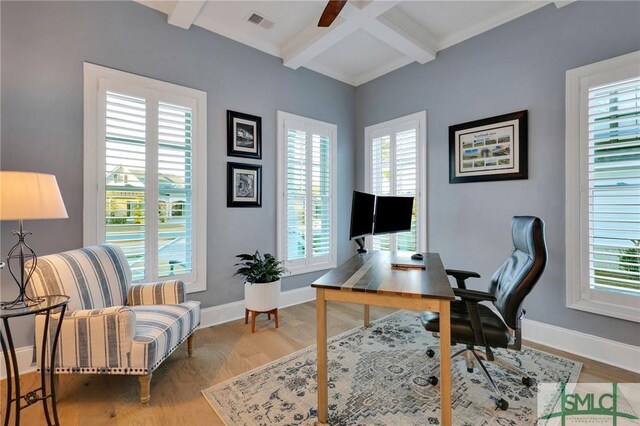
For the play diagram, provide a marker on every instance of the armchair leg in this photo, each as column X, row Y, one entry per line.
column 145, row 389
column 190, row 346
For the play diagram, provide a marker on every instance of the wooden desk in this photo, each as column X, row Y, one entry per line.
column 369, row 279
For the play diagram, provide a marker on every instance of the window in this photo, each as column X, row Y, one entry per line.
column 306, row 193
column 145, row 174
column 395, row 164
column 603, row 187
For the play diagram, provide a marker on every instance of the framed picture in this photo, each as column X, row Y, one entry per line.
column 244, row 185
column 489, row 149
column 244, row 135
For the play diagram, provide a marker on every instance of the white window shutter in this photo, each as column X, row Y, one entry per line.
column 614, row 186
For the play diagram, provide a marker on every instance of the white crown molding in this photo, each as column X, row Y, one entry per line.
column 489, row 24
column 419, row 43
column 380, row 71
column 560, row 4
column 332, row 73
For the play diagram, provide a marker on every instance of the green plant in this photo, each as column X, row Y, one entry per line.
column 256, row 268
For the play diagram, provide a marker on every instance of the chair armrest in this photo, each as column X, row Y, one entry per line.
column 170, row 292
column 92, row 338
column 473, row 295
column 461, row 276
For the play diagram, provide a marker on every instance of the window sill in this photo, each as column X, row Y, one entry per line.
column 610, row 310
column 299, row 270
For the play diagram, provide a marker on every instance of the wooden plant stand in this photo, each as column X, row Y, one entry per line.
column 254, row 314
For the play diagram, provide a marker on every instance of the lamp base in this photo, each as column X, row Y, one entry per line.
column 21, row 253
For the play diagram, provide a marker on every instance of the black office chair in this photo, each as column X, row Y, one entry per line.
column 475, row 325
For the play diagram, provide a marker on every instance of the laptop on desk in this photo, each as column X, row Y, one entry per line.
column 403, row 260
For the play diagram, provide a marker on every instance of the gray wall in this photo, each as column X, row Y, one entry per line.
column 520, row 65
column 43, row 46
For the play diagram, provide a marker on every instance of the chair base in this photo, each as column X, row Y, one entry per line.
column 471, row 357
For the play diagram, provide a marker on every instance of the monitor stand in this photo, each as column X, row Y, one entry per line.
column 360, row 242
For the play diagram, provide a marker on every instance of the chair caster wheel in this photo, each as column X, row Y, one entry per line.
column 430, row 353
column 527, row 381
column 433, row 380
column 469, row 370
column 502, row 404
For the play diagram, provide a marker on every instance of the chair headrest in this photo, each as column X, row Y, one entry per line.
column 521, row 233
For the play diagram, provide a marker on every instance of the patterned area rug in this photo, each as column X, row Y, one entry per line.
column 378, row 376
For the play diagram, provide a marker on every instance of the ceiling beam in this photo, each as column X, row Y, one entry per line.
column 185, row 12
column 400, row 31
column 312, row 41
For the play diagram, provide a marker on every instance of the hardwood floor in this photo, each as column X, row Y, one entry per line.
column 221, row 352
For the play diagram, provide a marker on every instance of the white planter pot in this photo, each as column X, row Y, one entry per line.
column 262, row 297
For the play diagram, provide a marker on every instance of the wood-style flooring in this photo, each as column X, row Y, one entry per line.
column 221, row 352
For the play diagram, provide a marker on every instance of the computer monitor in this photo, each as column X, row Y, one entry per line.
column 362, row 209
column 392, row 214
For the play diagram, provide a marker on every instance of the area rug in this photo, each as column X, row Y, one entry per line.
column 378, row 376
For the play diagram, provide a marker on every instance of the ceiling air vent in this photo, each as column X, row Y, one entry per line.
column 259, row 20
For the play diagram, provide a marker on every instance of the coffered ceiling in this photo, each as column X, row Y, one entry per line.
column 367, row 40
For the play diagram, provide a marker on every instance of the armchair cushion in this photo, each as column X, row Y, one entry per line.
column 93, row 277
column 98, row 340
column 495, row 330
column 159, row 330
column 161, row 293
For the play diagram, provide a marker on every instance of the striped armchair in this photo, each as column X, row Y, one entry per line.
column 112, row 326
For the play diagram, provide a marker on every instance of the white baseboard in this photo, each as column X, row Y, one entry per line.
column 24, row 356
column 597, row 348
column 585, row 345
column 235, row 310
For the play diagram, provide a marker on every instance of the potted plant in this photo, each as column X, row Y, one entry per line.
column 261, row 285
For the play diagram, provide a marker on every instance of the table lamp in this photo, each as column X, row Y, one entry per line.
column 27, row 196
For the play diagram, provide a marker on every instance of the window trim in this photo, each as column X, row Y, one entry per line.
column 422, row 230
column 579, row 295
column 281, row 215
column 94, row 157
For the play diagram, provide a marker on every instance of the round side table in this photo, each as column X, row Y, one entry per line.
column 46, row 307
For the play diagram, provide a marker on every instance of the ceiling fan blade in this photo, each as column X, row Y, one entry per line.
column 331, row 12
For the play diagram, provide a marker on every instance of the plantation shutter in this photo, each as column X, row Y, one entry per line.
column 381, row 178
column 308, row 182
column 407, row 181
column 394, row 171
column 125, row 161
column 321, row 195
column 175, row 184
column 613, row 186
column 148, row 184
column 296, row 194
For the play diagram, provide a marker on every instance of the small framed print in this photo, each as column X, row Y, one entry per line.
column 244, row 185
column 244, row 135
column 490, row 149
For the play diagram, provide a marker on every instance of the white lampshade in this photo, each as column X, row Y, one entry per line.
column 27, row 196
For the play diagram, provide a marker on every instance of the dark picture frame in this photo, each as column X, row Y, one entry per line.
column 244, row 185
column 244, row 135
column 490, row 149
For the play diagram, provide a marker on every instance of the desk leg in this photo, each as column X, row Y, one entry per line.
column 323, row 390
column 445, row 362
column 366, row 315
